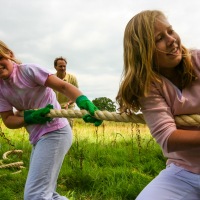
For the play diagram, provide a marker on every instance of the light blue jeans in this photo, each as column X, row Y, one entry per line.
column 173, row 183
column 46, row 160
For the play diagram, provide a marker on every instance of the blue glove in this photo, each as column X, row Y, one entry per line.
column 38, row 116
column 84, row 103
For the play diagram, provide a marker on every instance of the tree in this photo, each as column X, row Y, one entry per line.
column 104, row 103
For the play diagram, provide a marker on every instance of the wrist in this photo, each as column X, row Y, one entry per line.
column 69, row 103
column 81, row 98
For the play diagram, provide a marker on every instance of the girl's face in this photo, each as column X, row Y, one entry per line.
column 168, row 45
column 6, row 68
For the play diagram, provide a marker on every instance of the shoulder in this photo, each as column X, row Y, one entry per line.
column 33, row 72
column 28, row 66
column 34, row 68
column 25, row 68
column 195, row 55
column 70, row 75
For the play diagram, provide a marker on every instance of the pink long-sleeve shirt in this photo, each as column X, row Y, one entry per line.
column 161, row 106
column 25, row 90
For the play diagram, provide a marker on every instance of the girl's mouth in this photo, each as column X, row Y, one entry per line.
column 174, row 51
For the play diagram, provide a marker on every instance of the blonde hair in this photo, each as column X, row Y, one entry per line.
column 6, row 52
column 139, row 67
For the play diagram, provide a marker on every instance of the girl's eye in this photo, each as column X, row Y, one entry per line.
column 159, row 38
column 171, row 31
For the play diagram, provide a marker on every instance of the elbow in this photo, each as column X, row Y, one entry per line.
column 10, row 126
column 170, row 149
column 172, row 143
column 14, row 124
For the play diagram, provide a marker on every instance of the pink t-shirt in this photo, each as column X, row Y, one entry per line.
column 166, row 101
column 25, row 90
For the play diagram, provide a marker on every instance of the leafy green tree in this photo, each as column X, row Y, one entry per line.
column 104, row 103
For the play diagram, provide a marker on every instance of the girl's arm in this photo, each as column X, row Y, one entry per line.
column 12, row 121
column 181, row 140
column 75, row 95
column 63, row 87
column 158, row 115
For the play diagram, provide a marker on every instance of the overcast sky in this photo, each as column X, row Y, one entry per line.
column 89, row 33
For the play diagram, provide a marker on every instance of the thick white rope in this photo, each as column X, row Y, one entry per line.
column 181, row 120
column 102, row 115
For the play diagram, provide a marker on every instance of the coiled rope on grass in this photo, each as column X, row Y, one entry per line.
column 18, row 165
column 180, row 120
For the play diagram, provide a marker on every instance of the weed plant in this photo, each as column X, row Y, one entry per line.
column 112, row 162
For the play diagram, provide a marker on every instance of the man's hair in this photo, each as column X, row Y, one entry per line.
column 59, row 58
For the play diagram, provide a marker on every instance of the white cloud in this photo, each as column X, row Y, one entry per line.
column 88, row 33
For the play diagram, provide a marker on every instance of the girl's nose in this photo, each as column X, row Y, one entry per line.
column 171, row 40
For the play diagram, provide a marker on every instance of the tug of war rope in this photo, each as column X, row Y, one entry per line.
column 181, row 120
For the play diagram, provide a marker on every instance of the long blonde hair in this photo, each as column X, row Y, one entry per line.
column 139, row 67
column 6, row 52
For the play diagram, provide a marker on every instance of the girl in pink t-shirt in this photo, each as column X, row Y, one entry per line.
column 162, row 79
column 29, row 87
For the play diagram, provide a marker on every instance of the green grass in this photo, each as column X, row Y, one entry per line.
column 112, row 162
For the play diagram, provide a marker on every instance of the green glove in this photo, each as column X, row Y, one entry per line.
column 89, row 119
column 38, row 116
column 84, row 103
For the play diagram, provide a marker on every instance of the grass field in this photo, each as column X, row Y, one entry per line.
column 112, row 162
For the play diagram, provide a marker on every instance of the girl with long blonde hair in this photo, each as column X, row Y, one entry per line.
column 161, row 78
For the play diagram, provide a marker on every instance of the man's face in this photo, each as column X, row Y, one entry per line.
column 61, row 66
